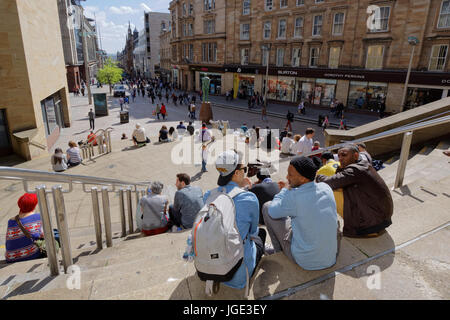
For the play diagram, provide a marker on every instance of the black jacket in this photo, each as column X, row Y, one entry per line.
column 264, row 192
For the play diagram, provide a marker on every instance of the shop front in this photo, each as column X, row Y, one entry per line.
column 175, row 77
column 366, row 95
column 312, row 91
column 244, row 85
column 417, row 97
column 357, row 89
column 215, row 81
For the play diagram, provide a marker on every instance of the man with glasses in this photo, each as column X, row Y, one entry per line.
column 232, row 175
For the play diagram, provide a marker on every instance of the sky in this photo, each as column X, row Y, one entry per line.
column 113, row 15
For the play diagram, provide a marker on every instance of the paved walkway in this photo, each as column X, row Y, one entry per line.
column 312, row 114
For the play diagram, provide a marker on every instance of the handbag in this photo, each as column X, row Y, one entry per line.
column 40, row 243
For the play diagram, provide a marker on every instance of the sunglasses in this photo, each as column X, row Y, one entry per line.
column 243, row 168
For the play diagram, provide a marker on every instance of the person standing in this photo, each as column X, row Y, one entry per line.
column 290, row 119
column 325, row 124
column 306, row 142
column 204, row 157
column 91, row 116
column 121, row 101
column 158, row 110
column 264, row 114
column 163, row 111
column 343, row 124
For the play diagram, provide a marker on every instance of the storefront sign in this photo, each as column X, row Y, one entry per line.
column 345, row 76
column 287, row 73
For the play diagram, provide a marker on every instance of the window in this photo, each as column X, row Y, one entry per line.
column 209, row 52
column 267, row 29
column 317, row 26
column 318, row 1
column 209, row 26
column 282, row 29
column 184, row 29
column 338, row 24
column 184, row 9
column 381, row 19
column 265, row 56
column 438, row 57
column 245, row 53
column 375, row 57
column 245, row 31
column 444, row 15
column 191, row 9
column 246, row 7
column 280, row 57
column 283, row 3
column 300, row 2
column 191, row 52
column 209, row 4
column 296, row 55
column 298, row 27
column 268, row 5
column 335, row 53
column 190, row 29
column 314, row 57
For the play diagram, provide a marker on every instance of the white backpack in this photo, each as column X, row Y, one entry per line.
column 216, row 241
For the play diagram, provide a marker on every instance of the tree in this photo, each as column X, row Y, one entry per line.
column 110, row 73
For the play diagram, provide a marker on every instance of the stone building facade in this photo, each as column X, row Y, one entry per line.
column 198, row 43
column 154, row 23
column 33, row 83
column 320, row 50
column 164, row 54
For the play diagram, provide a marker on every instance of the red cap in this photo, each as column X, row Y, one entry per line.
column 27, row 202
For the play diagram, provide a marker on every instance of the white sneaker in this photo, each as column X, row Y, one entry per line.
column 174, row 229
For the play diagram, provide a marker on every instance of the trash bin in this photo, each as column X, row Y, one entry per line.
column 124, row 117
column 321, row 119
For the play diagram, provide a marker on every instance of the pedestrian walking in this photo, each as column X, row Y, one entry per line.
column 82, row 91
column 264, row 114
column 343, row 124
column 325, row 124
column 121, row 101
column 290, row 119
column 163, row 111
column 204, row 157
column 91, row 116
column 157, row 110
column 167, row 96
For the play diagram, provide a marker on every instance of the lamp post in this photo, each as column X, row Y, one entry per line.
column 266, row 49
column 86, row 58
column 412, row 41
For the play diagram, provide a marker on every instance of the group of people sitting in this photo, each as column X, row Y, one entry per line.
column 300, row 214
column 61, row 162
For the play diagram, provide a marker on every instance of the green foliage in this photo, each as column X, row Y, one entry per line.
column 110, row 73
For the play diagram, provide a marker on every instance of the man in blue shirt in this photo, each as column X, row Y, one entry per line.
column 232, row 175
column 302, row 219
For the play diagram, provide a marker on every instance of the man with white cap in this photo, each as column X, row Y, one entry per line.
column 302, row 219
column 232, row 175
column 139, row 136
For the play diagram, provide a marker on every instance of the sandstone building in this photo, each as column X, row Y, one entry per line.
column 318, row 50
column 33, row 83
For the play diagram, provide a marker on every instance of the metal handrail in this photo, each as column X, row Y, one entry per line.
column 36, row 175
column 27, row 175
column 386, row 134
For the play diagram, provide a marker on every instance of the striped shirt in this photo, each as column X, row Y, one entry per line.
column 18, row 246
column 73, row 154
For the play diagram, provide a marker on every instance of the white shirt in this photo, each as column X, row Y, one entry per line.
column 286, row 145
column 206, row 135
column 175, row 135
column 139, row 134
column 305, row 145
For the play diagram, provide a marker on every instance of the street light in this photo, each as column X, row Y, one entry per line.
column 412, row 41
column 266, row 48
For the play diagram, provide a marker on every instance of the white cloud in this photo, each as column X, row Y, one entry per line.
column 145, row 7
column 123, row 10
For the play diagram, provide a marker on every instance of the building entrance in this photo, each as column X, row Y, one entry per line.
column 5, row 142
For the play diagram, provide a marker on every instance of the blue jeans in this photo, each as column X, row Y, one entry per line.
column 203, row 165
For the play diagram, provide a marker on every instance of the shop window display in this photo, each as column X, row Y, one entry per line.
column 417, row 97
column 246, row 86
column 215, row 82
column 366, row 95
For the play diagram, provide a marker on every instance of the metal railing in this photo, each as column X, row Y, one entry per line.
column 103, row 139
column 407, row 132
column 107, row 186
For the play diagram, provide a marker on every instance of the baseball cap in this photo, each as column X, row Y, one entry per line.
column 226, row 164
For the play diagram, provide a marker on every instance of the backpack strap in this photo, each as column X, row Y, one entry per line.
column 235, row 191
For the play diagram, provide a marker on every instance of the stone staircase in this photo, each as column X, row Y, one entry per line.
column 412, row 256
